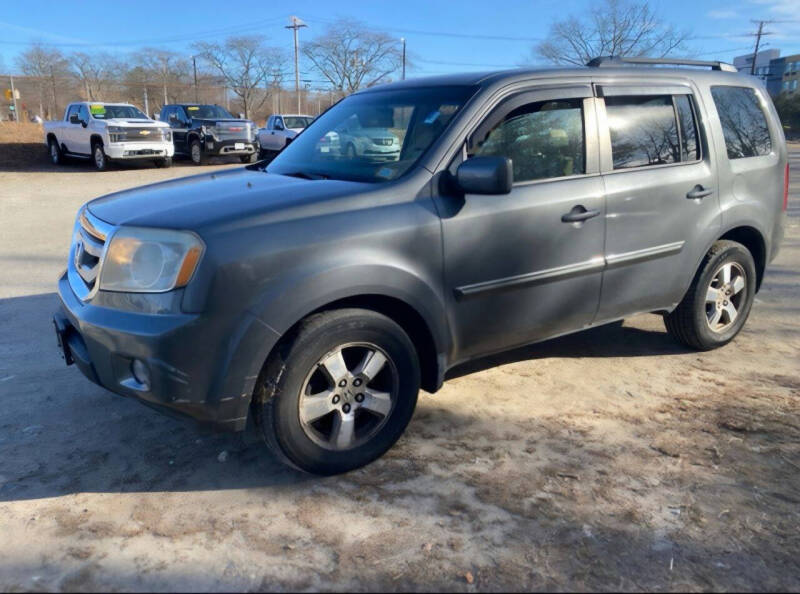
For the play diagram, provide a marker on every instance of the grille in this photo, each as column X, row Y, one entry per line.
column 151, row 134
column 86, row 254
column 233, row 131
column 382, row 141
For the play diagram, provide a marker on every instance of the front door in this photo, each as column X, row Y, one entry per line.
column 528, row 265
column 661, row 196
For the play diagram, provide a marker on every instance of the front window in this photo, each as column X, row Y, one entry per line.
column 108, row 112
column 208, row 112
column 372, row 137
column 296, row 122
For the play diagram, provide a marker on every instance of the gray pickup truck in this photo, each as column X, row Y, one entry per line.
column 311, row 298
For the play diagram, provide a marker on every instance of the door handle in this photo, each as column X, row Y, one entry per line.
column 579, row 214
column 698, row 192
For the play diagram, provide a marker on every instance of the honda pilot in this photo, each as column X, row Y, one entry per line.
column 309, row 299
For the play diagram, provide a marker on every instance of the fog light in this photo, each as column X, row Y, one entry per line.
column 140, row 373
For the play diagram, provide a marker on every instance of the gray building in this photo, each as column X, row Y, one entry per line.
column 762, row 66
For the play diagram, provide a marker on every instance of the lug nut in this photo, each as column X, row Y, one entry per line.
column 346, row 408
column 357, row 382
column 342, row 383
column 359, row 397
column 336, row 399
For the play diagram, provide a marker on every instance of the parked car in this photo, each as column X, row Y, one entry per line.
column 201, row 131
column 355, row 139
column 281, row 130
column 105, row 132
column 312, row 297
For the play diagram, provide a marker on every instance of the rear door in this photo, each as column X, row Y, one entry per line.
column 659, row 172
column 517, row 268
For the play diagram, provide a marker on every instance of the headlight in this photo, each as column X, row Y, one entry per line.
column 143, row 260
column 167, row 134
column 117, row 134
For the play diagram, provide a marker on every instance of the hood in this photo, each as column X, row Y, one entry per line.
column 131, row 123
column 216, row 198
column 226, row 121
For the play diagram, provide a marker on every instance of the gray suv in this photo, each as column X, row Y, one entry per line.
column 310, row 299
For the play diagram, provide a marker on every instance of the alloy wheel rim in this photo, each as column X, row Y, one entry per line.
column 348, row 396
column 54, row 152
column 725, row 296
column 195, row 153
column 98, row 156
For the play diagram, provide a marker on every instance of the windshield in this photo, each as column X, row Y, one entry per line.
column 372, row 137
column 296, row 122
column 208, row 112
column 107, row 112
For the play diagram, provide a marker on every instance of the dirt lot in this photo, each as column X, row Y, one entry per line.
column 609, row 460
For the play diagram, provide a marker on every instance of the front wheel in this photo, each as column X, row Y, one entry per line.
column 251, row 158
column 719, row 299
column 165, row 162
column 196, row 152
column 100, row 158
column 340, row 393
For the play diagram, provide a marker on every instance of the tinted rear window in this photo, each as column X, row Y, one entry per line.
column 744, row 123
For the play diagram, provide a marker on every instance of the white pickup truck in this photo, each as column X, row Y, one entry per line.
column 104, row 132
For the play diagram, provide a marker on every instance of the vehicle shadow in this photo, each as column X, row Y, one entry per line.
column 61, row 434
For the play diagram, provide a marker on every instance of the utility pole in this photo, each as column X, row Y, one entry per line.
column 14, row 97
column 194, row 66
column 146, row 105
column 758, row 42
column 403, row 39
column 296, row 24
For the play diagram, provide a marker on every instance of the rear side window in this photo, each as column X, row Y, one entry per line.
column 744, row 123
column 542, row 139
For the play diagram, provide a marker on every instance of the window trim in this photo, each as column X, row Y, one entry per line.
column 604, row 132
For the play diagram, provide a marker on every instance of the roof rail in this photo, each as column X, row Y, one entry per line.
column 607, row 61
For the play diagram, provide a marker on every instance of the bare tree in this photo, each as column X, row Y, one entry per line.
column 245, row 64
column 47, row 65
column 611, row 28
column 165, row 67
column 351, row 56
column 94, row 72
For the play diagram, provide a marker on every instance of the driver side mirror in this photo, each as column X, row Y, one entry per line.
column 73, row 119
column 485, row 175
column 278, row 126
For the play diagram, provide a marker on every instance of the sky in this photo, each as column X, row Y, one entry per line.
column 441, row 37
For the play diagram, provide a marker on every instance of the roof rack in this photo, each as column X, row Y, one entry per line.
column 607, row 61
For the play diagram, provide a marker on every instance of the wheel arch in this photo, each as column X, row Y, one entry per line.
column 95, row 139
column 754, row 241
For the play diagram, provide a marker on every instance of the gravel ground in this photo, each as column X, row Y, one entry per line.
column 613, row 459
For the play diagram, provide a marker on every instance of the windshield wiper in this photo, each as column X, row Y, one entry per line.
column 306, row 175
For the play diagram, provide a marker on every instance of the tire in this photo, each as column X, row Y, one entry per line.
column 251, row 158
column 99, row 157
column 196, row 153
column 164, row 163
column 56, row 156
column 320, row 445
column 704, row 324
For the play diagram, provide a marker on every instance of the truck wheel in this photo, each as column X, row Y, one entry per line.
column 165, row 162
column 99, row 156
column 196, row 152
column 56, row 156
column 252, row 158
column 339, row 393
column 719, row 299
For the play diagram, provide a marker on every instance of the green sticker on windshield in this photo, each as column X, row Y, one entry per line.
column 97, row 109
column 193, row 108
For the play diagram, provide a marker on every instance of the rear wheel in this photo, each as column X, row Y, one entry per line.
column 251, row 158
column 717, row 304
column 99, row 157
column 340, row 393
column 56, row 156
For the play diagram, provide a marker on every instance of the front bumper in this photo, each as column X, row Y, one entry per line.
column 196, row 368
column 222, row 148
column 139, row 150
